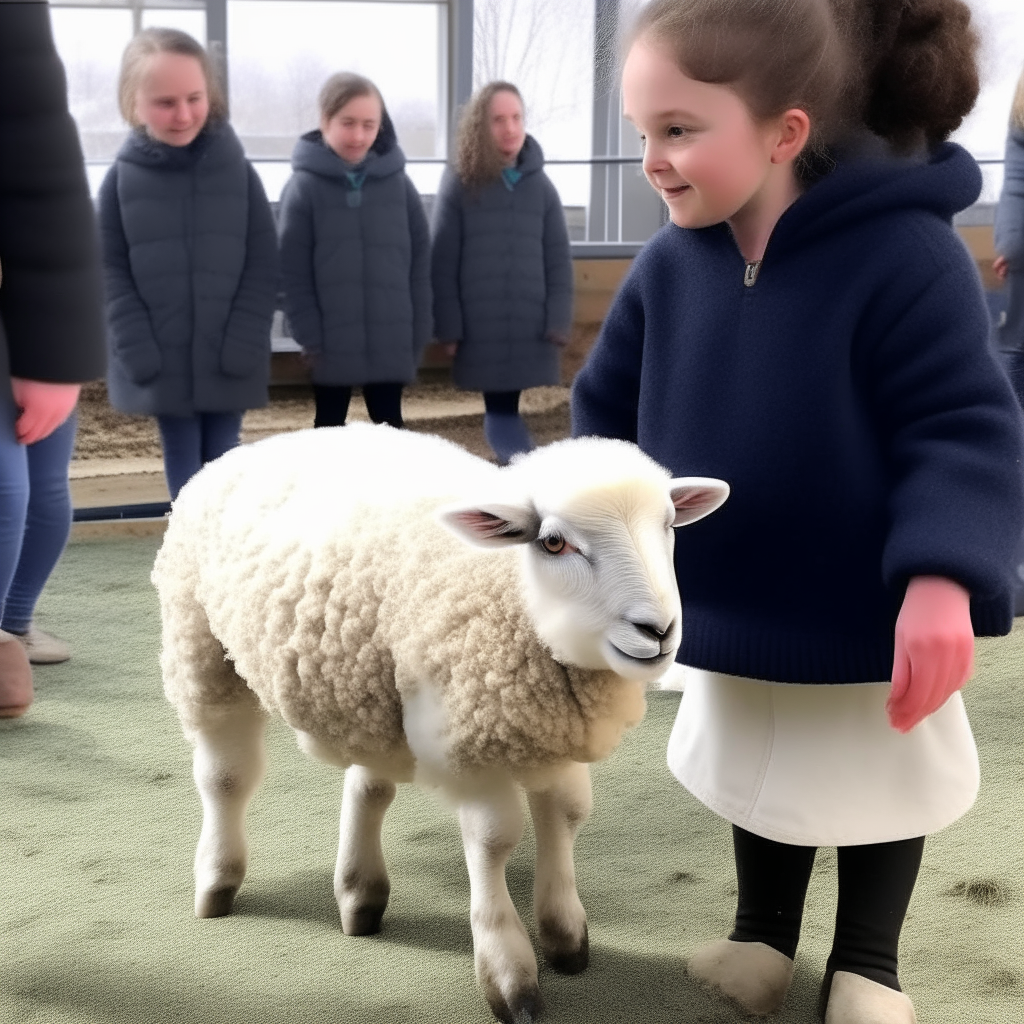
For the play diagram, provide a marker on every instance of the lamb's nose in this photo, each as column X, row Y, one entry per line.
column 649, row 629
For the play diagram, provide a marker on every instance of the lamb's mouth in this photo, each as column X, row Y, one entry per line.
column 653, row 660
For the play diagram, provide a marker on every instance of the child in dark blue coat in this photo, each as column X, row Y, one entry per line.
column 190, row 256
column 355, row 250
column 810, row 329
column 502, row 266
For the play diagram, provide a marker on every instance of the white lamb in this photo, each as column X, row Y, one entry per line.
column 325, row 576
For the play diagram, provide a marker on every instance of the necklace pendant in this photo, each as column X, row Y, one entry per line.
column 751, row 272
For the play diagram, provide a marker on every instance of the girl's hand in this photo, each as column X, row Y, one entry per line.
column 1001, row 267
column 934, row 649
column 449, row 348
column 44, row 407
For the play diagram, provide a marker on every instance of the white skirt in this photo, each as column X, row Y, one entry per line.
column 820, row 765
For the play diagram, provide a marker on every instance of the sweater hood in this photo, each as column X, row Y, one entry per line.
column 531, row 157
column 385, row 158
column 217, row 142
column 868, row 182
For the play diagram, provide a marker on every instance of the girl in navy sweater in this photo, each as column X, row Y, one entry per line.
column 809, row 328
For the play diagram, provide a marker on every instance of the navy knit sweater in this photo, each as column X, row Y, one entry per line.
column 850, row 400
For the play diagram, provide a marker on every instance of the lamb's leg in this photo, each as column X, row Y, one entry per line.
column 361, row 884
column 227, row 765
column 505, row 965
column 558, row 812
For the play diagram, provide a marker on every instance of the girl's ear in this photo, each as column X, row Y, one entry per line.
column 794, row 130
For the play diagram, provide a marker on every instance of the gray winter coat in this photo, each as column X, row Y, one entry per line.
column 191, row 268
column 502, row 273
column 1009, row 240
column 355, row 251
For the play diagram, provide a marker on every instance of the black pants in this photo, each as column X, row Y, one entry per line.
column 383, row 403
column 502, row 402
column 875, row 885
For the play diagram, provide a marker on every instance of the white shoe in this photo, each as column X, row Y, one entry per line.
column 753, row 974
column 854, row 999
column 41, row 648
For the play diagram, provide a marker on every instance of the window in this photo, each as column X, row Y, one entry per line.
column 1001, row 23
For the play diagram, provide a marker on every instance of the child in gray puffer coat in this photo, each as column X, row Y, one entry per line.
column 189, row 256
column 355, row 250
column 502, row 266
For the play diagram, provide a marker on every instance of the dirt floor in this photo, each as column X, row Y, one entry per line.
column 117, row 458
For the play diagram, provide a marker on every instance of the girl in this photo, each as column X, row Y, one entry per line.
column 355, row 251
column 502, row 269
column 809, row 328
column 190, row 255
column 51, row 331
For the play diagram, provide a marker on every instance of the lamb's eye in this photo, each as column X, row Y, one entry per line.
column 553, row 545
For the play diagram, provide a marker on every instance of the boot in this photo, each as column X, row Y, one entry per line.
column 752, row 974
column 43, row 649
column 507, row 434
column 854, row 999
column 15, row 677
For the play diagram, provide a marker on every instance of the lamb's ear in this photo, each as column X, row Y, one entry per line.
column 491, row 525
column 695, row 497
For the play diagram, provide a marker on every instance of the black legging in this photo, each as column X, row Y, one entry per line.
column 383, row 403
column 875, row 885
column 502, row 402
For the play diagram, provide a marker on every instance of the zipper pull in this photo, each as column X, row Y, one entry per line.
column 751, row 272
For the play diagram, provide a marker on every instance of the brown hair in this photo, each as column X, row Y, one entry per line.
column 151, row 41
column 1017, row 110
column 477, row 158
column 342, row 87
column 905, row 69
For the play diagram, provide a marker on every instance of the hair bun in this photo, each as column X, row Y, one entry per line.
column 923, row 78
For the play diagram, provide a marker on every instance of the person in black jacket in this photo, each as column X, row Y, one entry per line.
column 355, row 252
column 190, row 255
column 51, row 329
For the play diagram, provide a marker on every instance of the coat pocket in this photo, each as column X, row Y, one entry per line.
column 141, row 361
column 241, row 357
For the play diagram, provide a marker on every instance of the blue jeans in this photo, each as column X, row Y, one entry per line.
column 190, row 442
column 35, row 512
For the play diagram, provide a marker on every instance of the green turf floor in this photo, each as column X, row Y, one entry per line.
column 99, row 820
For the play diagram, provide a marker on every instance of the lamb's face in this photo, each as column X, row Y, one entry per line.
column 600, row 582
column 599, row 579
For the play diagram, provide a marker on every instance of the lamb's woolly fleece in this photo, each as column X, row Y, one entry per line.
column 313, row 560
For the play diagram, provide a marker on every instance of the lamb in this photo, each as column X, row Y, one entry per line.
column 416, row 614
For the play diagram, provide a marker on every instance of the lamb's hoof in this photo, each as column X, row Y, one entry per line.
column 362, row 909
column 753, row 974
column 216, row 902
column 522, row 1007
column 854, row 999
column 363, row 920
column 564, row 952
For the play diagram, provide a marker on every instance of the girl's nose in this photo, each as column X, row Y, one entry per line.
column 654, row 159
